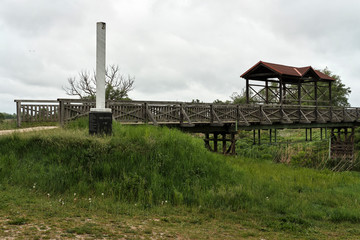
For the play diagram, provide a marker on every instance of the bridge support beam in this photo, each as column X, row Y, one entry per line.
column 342, row 148
column 227, row 149
column 306, row 134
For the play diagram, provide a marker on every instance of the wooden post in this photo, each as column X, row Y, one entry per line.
column 224, row 143
column 207, row 141
column 310, row 134
column 326, row 133
column 281, row 90
column 321, row 133
column 145, row 115
column 306, row 134
column 247, row 91
column 270, row 134
column 299, row 92
column 215, row 142
column 254, row 137
column 275, row 133
column 181, row 114
column 18, row 113
column 316, row 101
column 330, row 93
column 233, row 142
column 266, row 91
column 62, row 112
column 316, row 92
column 259, row 136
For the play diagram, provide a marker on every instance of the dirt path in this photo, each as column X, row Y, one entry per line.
column 4, row 132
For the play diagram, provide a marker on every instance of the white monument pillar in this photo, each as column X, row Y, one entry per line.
column 100, row 64
column 100, row 67
column 100, row 118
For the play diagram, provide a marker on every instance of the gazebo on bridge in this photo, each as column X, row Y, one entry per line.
column 271, row 83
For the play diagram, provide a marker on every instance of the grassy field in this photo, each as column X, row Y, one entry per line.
column 152, row 182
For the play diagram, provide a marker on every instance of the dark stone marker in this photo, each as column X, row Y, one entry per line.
column 100, row 123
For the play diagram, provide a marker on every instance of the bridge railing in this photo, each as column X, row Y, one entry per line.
column 157, row 112
column 37, row 111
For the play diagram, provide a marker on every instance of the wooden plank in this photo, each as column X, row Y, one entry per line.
column 18, row 113
column 150, row 115
column 187, row 118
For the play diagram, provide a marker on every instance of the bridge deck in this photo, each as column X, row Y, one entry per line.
column 196, row 117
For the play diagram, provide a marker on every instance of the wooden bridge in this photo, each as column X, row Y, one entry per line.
column 193, row 115
column 216, row 119
column 277, row 97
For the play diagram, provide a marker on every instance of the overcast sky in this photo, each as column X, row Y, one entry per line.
column 176, row 49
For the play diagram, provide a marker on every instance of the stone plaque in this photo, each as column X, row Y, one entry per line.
column 100, row 123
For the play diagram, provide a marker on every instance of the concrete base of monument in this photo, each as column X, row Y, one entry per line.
column 100, row 122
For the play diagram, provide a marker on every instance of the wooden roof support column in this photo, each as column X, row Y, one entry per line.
column 299, row 92
column 330, row 93
column 316, row 92
column 267, row 91
column 247, row 91
column 281, row 90
column 316, row 99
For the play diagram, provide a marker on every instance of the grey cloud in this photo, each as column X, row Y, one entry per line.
column 177, row 50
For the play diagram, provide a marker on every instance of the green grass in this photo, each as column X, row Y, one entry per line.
column 46, row 218
column 9, row 124
column 156, row 172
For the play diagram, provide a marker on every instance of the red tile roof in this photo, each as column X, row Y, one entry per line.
column 283, row 70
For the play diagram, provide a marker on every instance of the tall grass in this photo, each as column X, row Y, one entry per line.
column 150, row 165
column 138, row 164
column 7, row 124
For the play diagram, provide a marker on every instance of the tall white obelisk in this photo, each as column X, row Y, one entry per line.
column 100, row 118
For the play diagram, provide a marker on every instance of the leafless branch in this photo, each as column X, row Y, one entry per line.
column 117, row 86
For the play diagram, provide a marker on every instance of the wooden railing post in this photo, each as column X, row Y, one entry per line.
column 61, row 112
column 211, row 113
column 181, row 113
column 18, row 113
column 146, row 119
column 237, row 115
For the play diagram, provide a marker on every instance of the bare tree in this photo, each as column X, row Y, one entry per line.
column 117, row 86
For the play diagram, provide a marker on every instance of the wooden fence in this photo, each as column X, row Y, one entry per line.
column 37, row 111
column 185, row 114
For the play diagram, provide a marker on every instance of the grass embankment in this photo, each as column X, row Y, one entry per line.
column 146, row 170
